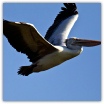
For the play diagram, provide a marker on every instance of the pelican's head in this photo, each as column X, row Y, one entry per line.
column 76, row 43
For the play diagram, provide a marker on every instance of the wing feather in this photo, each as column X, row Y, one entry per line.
column 62, row 25
column 26, row 39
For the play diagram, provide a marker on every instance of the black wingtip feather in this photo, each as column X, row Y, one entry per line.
column 68, row 10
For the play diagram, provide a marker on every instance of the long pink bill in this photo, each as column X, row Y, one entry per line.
column 87, row 43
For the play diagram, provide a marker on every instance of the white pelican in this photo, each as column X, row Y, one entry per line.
column 55, row 48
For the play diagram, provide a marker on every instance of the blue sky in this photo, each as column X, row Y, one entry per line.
column 78, row 79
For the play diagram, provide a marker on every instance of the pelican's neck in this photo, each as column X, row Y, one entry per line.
column 69, row 50
column 75, row 51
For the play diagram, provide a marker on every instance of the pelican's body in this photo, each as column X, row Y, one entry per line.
column 54, row 49
column 55, row 58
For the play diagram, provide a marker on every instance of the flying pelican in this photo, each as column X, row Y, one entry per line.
column 54, row 49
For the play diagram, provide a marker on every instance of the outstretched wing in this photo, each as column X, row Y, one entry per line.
column 26, row 39
column 62, row 25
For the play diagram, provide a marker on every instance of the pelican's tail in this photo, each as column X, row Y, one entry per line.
column 26, row 70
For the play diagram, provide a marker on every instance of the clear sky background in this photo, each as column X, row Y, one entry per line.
column 78, row 79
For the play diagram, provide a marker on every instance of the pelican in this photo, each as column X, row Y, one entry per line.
column 54, row 48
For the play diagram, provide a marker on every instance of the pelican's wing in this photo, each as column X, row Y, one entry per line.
column 62, row 25
column 26, row 39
